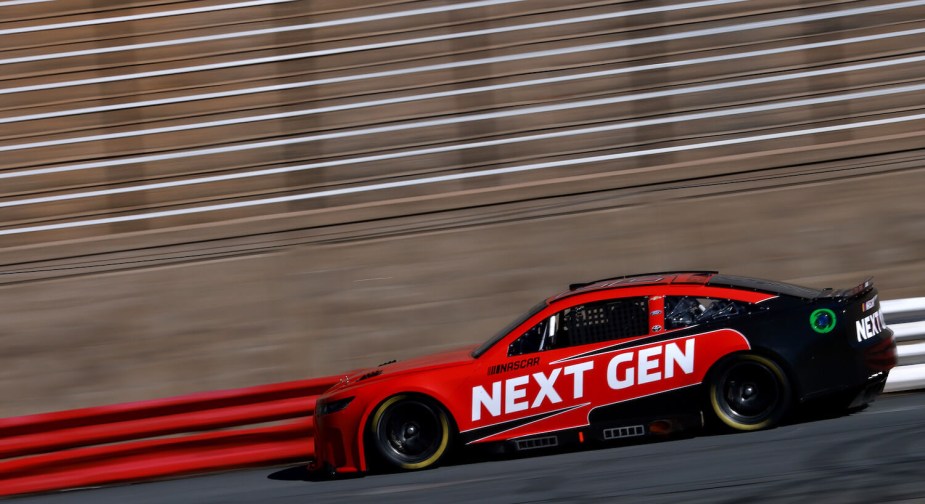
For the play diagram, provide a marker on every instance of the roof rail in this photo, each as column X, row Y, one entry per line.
column 579, row 285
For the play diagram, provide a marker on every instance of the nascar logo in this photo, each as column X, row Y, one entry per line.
column 513, row 366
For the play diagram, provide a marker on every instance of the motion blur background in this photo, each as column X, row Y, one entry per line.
column 214, row 194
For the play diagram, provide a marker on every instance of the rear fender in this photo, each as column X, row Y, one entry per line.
column 762, row 352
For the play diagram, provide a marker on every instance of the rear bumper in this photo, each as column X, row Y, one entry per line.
column 870, row 391
column 853, row 371
column 881, row 356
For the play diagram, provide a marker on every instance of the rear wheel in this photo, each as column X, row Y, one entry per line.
column 750, row 392
column 411, row 432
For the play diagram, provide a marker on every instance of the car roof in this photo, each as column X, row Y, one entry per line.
column 707, row 278
column 758, row 284
column 657, row 278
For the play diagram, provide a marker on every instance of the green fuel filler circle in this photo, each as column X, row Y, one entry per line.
column 822, row 320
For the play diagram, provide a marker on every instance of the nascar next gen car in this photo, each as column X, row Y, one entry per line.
column 615, row 359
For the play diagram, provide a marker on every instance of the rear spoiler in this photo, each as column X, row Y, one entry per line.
column 855, row 292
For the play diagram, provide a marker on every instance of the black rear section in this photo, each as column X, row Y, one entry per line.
column 835, row 343
column 870, row 335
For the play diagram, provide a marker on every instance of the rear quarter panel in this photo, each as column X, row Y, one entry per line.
column 817, row 362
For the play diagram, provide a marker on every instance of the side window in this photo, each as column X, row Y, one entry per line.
column 686, row 311
column 534, row 339
column 584, row 324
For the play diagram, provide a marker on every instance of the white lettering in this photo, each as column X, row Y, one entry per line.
column 626, row 369
column 612, row 379
column 512, row 394
column 546, row 389
column 674, row 356
column 647, row 363
column 870, row 326
column 491, row 402
column 579, row 371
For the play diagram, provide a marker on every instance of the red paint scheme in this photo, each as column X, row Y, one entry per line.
column 595, row 390
column 451, row 378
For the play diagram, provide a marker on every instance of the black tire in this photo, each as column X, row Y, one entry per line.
column 411, row 432
column 750, row 392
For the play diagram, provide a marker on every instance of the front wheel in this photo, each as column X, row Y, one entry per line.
column 750, row 393
column 410, row 432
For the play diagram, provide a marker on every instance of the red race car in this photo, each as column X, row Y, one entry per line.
column 615, row 359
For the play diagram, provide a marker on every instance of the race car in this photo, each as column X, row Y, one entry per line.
column 613, row 360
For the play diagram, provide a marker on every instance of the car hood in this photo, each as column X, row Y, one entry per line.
column 442, row 359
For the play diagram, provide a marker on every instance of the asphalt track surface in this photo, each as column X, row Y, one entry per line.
column 876, row 455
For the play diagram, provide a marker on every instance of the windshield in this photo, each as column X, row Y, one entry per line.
column 508, row 328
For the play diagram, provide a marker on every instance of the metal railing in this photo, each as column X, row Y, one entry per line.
column 907, row 319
